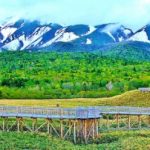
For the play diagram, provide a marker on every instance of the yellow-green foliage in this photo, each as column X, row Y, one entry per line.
column 132, row 98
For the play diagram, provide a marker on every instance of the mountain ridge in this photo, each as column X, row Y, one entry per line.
column 34, row 36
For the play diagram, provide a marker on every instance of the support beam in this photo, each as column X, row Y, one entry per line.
column 61, row 129
column 4, row 123
column 93, row 129
column 97, row 128
column 149, row 121
column 74, row 131
column 48, row 126
column 107, row 122
column 85, row 131
column 117, row 119
column 18, row 121
column 34, row 122
column 129, row 122
column 139, row 121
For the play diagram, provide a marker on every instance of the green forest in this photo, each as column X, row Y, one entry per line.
column 69, row 75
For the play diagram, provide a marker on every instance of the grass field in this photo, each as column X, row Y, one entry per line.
column 112, row 140
column 116, row 140
column 132, row 98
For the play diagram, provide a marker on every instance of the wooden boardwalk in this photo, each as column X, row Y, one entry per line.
column 82, row 123
column 52, row 113
column 124, row 110
column 71, row 113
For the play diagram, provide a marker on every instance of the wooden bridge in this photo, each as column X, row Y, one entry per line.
column 78, row 123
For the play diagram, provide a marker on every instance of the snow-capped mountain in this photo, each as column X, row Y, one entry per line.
column 21, row 34
column 105, row 34
column 24, row 34
column 142, row 35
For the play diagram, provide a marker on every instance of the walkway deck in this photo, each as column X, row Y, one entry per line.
column 70, row 113
column 51, row 113
column 124, row 110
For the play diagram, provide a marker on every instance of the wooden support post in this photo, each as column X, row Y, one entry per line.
column 117, row 118
column 4, row 123
column 85, row 130
column 19, row 121
column 18, row 124
column 97, row 132
column 148, row 121
column 107, row 123
column 139, row 121
column 21, row 124
column 34, row 121
column 48, row 126
column 99, row 123
column 129, row 122
column 93, row 129
column 70, row 124
column 74, row 131
column 61, row 129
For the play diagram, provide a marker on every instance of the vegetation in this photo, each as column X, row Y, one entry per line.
column 86, row 77
column 116, row 140
column 132, row 98
column 69, row 75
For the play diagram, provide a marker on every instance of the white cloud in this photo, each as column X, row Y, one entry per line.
column 133, row 13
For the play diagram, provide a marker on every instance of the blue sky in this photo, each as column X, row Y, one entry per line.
column 132, row 13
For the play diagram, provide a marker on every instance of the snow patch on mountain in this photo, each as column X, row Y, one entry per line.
column 6, row 32
column 121, row 39
column 91, row 29
column 127, row 31
column 66, row 37
column 12, row 46
column 61, row 36
column 88, row 41
column 110, row 35
column 140, row 36
column 27, row 41
column 35, row 37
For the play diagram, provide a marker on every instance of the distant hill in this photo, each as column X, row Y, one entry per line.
column 128, row 50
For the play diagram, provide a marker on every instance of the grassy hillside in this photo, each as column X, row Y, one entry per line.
column 120, row 140
column 132, row 98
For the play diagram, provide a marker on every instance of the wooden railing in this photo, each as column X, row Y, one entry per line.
column 42, row 112
column 124, row 110
column 74, row 113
